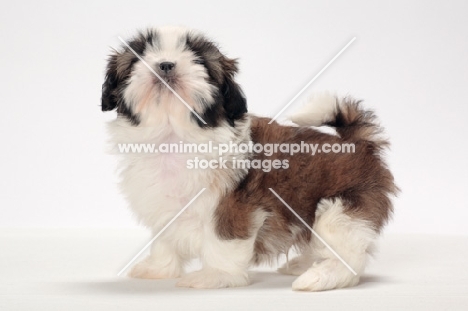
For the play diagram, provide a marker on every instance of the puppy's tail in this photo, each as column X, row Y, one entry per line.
column 346, row 115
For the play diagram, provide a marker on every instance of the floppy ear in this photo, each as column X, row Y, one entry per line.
column 235, row 103
column 109, row 87
column 108, row 101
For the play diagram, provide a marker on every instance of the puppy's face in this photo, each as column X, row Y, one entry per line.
column 189, row 63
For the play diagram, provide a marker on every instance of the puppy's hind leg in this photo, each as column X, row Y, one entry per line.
column 350, row 237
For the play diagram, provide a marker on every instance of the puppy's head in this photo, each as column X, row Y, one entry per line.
column 188, row 63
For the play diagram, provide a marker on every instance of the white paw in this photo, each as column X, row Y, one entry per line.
column 147, row 269
column 296, row 266
column 211, row 278
column 319, row 278
column 313, row 280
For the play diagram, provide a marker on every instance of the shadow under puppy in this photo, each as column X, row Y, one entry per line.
column 237, row 221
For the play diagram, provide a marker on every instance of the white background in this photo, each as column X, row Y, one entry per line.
column 409, row 63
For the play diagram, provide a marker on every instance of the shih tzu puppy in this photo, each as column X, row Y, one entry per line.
column 238, row 221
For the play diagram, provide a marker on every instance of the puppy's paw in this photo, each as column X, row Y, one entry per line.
column 319, row 278
column 313, row 280
column 148, row 269
column 211, row 278
column 296, row 266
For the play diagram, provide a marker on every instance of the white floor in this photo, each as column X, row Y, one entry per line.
column 45, row 269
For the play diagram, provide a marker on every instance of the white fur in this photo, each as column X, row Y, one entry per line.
column 225, row 262
column 351, row 238
column 158, row 185
column 320, row 108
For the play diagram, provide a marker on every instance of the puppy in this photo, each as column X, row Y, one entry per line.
column 238, row 221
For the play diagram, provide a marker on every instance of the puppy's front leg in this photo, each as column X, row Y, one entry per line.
column 163, row 262
column 225, row 264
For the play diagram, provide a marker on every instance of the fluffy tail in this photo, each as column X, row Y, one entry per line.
column 352, row 122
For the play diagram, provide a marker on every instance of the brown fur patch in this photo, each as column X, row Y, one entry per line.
column 360, row 179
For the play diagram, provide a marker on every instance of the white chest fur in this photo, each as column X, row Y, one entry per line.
column 158, row 185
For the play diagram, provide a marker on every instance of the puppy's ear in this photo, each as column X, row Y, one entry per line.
column 109, row 87
column 235, row 103
column 108, row 101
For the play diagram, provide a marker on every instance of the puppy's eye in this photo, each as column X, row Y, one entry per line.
column 199, row 61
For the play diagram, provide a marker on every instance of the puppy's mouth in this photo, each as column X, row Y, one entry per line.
column 171, row 80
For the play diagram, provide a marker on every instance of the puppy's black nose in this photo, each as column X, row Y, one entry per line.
column 166, row 66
